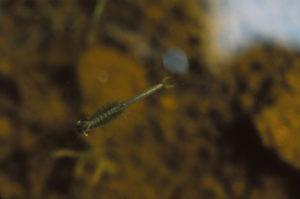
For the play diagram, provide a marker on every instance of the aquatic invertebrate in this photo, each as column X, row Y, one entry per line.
column 113, row 110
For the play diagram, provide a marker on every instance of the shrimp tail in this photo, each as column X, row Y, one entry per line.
column 168, row 82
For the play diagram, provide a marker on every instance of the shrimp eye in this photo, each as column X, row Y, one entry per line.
column 82, row 127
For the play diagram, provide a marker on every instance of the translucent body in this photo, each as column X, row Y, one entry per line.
column 113, row 110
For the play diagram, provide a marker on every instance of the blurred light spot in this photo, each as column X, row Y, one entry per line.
column 175, row 61
column 5, row 126
column 103, row 77
column 246, row 22
column 169, row 103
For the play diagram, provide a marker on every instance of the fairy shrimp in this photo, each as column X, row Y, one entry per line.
column 115, row 109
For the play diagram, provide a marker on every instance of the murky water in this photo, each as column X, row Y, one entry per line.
column 227, row 133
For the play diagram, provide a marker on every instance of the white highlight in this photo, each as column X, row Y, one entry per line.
column 245, row 22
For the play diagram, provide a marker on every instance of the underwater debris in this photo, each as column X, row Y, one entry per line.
column 113, row 110
column 176, row 61
column 98, row 12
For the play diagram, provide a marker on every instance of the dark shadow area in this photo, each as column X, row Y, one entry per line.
column 245, row 145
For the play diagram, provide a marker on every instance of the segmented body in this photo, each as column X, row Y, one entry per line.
column 101, row 117
column 106, row 114
column 113, row 110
